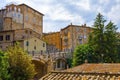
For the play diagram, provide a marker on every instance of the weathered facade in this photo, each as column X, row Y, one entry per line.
column 9, row 37
column 21, row 16
column 34, row 45
column 74, row 35
column 53, row 40
column 69, row 37
column 21, row 23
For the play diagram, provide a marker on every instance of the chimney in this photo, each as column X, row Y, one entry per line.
column 85, row 25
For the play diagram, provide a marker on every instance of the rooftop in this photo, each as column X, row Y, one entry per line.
column 101, row 71
column 100, row 67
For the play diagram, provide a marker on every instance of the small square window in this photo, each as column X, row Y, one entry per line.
column 26, row 31
column 41, row 52
column 43, row 44
column 27, row 43
column 30, row 32
column 18, row 15
column 1, row 38
column 7, row 37
column 0, row 46
column 35, row 47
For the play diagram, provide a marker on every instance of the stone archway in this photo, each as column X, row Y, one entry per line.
column 60, row 64
column 40, row 68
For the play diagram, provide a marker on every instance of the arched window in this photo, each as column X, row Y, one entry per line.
column 15, row 8
column 19, row 10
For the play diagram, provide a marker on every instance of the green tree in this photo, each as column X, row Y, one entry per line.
column 4, row 65
column 83, row 53
column 118, row 47
column 21, row 67
column 103, row 40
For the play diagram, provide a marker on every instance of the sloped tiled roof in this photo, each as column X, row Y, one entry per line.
column 101, row 68
column 105, row 71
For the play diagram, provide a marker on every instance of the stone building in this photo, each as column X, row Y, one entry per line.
column 74, row 35
column 21, row 23
column 21, row 16
column 29, row 40
column 69, row 37
column 53, row 41
column 101, row 71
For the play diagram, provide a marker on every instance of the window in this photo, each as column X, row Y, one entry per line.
column 80, row 41
column 18, row 15
column 30, row 32
column 14, row 14
column 41, row 52
column 35, row 47
column 18, row 9
column 58, row 64
column 43, row 44
column 27, row 43
column 15, row 8
column 0, row 46
column 7, row 37
column 1, row 38
column 26, row 31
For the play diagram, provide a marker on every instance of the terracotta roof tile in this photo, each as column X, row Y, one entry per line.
column 87, row 72
column 101, row 68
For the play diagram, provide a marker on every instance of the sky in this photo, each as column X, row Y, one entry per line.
column 60, row 13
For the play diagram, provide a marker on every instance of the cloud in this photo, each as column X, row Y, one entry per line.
column 114, row 14
column 59, row 14
column 104, row 1
column 81, row 4
column 117, row 1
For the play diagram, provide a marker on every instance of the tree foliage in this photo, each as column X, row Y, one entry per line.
column 83, row 53
column 103, row 39
column 4, row 65
column 102, row 44
column 21, row 67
